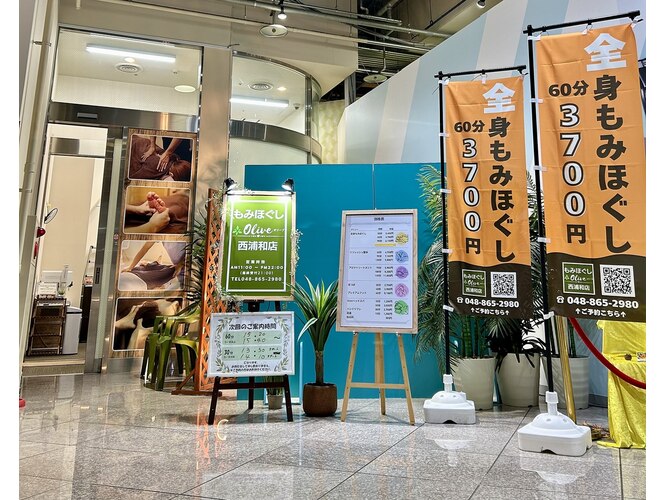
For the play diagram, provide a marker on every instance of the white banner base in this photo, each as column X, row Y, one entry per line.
column 554, row 432
column 449, row 406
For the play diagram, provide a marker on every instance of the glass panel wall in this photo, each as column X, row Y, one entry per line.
column 115, row 72
column 276, row 96
column 269, row 93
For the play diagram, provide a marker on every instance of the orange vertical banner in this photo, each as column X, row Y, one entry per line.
column 488, row 227
column 593, row 159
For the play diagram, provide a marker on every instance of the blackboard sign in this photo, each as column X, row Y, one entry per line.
column 251, row 344
column 378, row 272
column 257, row 245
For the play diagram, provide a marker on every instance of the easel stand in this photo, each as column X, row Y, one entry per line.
column 251, row 386
column 379, row 382
column 253, row 306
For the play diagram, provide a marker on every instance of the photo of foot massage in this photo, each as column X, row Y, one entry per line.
column 154, row 210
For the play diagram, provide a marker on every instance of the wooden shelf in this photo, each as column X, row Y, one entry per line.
column 47, row 326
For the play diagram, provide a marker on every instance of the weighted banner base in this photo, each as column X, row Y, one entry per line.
column 449, row 406
column 554, row 432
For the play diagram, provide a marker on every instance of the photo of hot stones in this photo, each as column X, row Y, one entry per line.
column 163, row 158
column 156, row 210
column 135, row 318
column 151, row 265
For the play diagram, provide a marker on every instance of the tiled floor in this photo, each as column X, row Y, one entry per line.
column 107, row 436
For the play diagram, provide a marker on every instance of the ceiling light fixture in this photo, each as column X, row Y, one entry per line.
column 151, row 56
column 282, row 16
column 481, row 4
column 282, row 89
column 271, row 103
column 273, row 30
column 375, row 78
column 184, row 88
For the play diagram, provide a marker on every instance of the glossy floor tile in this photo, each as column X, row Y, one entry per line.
column 101, row 437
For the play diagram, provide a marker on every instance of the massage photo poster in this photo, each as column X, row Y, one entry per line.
column 153, row 257
column 378, row 272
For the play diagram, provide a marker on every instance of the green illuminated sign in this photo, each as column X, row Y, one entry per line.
column 257, row 253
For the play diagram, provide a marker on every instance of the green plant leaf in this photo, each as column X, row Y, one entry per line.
column 318, row 305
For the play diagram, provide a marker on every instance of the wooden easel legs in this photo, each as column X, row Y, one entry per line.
column 350, row 371
column 405, row 377
column 379, row 382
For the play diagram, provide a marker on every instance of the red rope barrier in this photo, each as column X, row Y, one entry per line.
column 602, row 358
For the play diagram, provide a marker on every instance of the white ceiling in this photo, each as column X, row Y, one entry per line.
column 73, row 60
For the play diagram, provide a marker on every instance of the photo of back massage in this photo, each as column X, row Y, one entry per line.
column 156, row 210
column 156, row 157
column 135, row 318
column 151, row 265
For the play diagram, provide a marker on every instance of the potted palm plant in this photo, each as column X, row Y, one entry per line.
column 517, row 353
column 318, row 306
column 472, row 364
column 275, row 395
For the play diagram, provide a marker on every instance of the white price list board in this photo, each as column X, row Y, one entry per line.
column 378, row 272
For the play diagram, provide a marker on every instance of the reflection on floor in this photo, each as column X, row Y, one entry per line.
column 61, row 364
column 109, row 437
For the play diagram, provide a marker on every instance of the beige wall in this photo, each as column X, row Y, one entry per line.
column 329, row 117
column 68, row 237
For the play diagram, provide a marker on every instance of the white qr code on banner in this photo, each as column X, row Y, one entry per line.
column 617, row 281
column 503, row 285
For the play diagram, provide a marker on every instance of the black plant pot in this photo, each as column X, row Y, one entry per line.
column 320, row 400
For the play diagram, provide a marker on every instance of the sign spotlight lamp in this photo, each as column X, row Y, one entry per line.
column 288, row 185
column 229, row 184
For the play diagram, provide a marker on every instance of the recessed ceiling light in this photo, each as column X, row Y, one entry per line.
column 114, row 51
column 130, row 59
column 281, row 88
column 184, row 88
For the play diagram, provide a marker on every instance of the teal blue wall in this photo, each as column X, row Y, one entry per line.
column 322, row 193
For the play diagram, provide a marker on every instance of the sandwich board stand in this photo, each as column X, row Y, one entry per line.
column 378, row 290
column 251, row 344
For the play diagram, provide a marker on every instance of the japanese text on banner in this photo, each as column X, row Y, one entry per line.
column 488, row 223
column 593, row 151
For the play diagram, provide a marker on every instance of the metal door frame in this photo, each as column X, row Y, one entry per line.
column 117, row 121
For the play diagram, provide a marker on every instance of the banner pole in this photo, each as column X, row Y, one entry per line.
column 539, row 208
column 444, row 232
column 631, row 15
